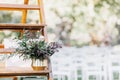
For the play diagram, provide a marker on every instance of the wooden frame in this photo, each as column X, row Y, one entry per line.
column 18, row 71
column 22, row 71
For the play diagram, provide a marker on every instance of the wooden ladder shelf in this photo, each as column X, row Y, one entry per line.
column 13, row 71
column 22, row 26
column 19, row 7
column 24, row 8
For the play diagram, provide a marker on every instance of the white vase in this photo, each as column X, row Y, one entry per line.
column 38, row 64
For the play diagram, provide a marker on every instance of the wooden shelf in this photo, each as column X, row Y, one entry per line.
column 18, row 7
column 24, row 71
column 6, row 51
column 22, row 26
column 21, row 71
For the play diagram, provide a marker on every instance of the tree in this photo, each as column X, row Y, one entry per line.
column 5, row 17
column 85, row 16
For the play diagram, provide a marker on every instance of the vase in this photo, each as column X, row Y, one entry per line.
column 38, row 64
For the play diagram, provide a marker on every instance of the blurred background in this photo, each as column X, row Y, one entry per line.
column 89, row 31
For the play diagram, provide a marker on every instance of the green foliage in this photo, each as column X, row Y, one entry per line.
column 5, row 17
column 113, row 6
column 35, row 48
column 85, row 16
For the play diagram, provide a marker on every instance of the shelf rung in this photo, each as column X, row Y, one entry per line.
column 22, row 26
column 18, row 7
column 6, row 51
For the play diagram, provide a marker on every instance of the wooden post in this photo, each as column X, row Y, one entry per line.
column 24, row 17
column 42, row 19
column 24, row 14
column 15, row 78
column 41, row 12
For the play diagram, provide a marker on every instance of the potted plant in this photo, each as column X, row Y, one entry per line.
column 36, row 49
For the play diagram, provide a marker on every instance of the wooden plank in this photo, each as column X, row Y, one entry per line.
column 41, row 12
column 21, row 71
column 1, row 45
column 6, row 51
column 42, row 19
column 22, row 26
column 19, row 7
column 24, row 14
